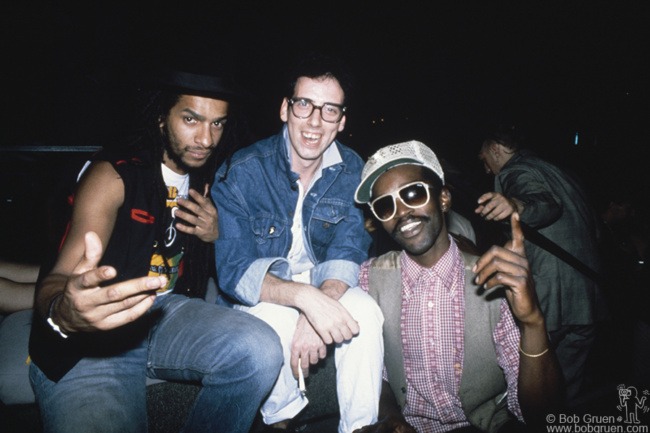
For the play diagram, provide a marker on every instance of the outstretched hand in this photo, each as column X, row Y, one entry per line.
column 85, row 306
column 201, row 217
column 507, row 266
column 494, row 206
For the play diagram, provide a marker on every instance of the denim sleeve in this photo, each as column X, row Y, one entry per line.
column 239, row 269
column 342, row 270
column 248, row 289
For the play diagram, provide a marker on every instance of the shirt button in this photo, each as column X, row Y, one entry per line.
column 430, row 304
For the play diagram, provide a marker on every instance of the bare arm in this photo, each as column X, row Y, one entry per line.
column 334, row 288
column 15, row 296
column 17, row 285
column 19, row 272
column 74, row 284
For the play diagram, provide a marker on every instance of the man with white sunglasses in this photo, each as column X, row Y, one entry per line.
column 466, row 347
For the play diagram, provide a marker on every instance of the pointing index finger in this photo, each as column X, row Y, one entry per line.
column 517, row 234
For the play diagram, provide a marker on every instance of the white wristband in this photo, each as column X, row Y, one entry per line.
column 54, row 326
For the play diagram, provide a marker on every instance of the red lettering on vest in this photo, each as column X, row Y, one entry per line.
column 142, row 216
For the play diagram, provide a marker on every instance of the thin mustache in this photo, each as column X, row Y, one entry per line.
column 409, row 218
column 200, row 149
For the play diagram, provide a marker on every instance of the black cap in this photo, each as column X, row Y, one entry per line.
column 220, row 87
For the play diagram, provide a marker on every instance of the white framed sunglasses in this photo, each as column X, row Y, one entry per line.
column 414, row 195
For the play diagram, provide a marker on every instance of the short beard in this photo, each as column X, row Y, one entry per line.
column 174, row 156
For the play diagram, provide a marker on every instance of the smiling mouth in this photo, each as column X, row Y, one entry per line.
column 311, row 138
column 409, row 226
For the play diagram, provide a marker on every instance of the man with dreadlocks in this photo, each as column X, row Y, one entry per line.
column 107, row 316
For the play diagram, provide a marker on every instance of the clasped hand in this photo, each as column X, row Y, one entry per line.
column 323, row 321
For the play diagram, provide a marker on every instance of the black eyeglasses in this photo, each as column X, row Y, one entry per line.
column 414, row 195
column 303, row 107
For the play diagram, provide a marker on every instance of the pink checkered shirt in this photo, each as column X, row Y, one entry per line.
column 433, row 314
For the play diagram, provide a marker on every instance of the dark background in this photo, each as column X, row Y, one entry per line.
column 439, row 72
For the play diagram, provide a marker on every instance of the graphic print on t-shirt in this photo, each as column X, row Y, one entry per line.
column 167, row 259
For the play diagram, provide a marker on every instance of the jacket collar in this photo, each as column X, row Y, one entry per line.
column 331, row 156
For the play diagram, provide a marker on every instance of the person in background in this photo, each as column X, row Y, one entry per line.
column 554, row 204
column 292, row 241
column 113, row 309
column 623, row 247
column 466, row 347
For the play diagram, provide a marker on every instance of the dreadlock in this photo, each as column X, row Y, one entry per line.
column 155, row 106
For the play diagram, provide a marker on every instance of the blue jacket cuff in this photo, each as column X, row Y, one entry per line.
column 249, row 288
column 342, row 270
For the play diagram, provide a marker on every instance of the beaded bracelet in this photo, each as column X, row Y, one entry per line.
column 532, row 356
column 54, row 326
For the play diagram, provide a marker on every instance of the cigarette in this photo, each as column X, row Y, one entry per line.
column 301, row 379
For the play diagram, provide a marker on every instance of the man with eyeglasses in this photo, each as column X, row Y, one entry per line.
column 291, row 242
column 466, row 347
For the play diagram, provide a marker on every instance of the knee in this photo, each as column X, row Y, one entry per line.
column 364, row 309
column 270, row 348
column 260, row 348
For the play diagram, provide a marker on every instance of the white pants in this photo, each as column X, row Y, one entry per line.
column 358, row 361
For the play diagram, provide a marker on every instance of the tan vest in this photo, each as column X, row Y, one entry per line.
column 483, row 385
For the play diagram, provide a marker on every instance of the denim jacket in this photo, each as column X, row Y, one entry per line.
column 256, row 195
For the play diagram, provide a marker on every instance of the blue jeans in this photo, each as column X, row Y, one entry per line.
column 234, row 356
